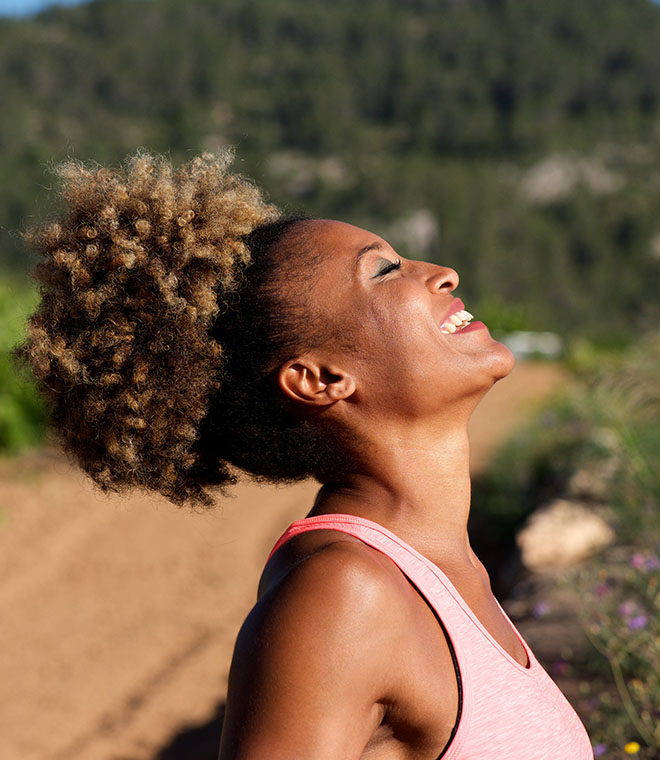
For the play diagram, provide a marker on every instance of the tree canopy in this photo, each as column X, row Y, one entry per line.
column 516, row 140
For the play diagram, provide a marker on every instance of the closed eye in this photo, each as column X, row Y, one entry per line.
column 389, row 266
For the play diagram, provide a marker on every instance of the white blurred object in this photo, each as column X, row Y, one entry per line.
column 554, row 178
column 418, row 231
column 525, row 343
column 561, row 534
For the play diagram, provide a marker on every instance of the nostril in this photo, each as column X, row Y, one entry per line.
column 444, row 278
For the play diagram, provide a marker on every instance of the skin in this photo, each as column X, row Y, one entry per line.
column 341, row 658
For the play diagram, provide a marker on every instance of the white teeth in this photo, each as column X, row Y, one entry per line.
column 456, row 321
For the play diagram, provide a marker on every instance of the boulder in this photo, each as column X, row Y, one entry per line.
column 563, row 533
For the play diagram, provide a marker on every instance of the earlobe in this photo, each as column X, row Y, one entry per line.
column 309, row 383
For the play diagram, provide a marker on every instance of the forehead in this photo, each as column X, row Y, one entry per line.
column 339, row 239
column 328, row 265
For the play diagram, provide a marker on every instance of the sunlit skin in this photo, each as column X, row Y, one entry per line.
column 341, row 658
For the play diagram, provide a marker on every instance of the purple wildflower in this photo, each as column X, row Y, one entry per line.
column 560, row 668
column 637, row 622
column 602, row 589
column 638, row 561
column 645, row 562
column 600, row 750
column 541, row 609
column 652, row 562
column 627, row 609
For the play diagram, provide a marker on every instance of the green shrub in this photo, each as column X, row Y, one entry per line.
column 604, row 424
column 22, row 413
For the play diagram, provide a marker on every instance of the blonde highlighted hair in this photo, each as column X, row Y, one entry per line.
column 134, row 270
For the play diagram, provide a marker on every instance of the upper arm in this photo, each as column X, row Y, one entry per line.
column 311, row 671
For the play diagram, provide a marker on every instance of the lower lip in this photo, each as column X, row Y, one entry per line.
column 471, row 328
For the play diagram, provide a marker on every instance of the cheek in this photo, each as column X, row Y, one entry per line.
column 422, row 365
column 403, row 353
column 403, row 329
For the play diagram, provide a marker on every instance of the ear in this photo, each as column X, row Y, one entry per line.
column 308, row 382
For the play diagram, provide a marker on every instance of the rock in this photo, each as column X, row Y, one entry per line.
column 555, row 178
column 562, row 533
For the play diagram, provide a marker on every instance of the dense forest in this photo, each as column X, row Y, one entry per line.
column 517, row 140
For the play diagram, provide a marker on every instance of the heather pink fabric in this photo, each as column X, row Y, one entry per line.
column 508, row 711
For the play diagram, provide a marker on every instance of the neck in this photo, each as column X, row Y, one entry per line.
column 414, row 482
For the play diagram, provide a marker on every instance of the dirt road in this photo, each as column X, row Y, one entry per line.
column 118, row 615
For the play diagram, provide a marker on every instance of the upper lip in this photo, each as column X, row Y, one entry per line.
column 456, row 305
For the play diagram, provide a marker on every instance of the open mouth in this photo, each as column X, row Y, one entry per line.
column 457, row 321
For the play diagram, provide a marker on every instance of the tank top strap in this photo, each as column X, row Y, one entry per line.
column 462, row 626
column 423, row 573
column 412, row 564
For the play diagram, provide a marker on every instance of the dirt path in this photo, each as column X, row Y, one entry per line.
column 119, row 614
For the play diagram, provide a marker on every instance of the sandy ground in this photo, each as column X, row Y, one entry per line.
column 119, row 614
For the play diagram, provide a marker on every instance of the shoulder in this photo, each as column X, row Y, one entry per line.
column 330, row 585
column 326, row 600
column 339, row 647
column 311, row 667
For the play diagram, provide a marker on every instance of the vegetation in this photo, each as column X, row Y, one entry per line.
column 620, row 614
column 516, row 140
column 22, row 413
column 598, row 443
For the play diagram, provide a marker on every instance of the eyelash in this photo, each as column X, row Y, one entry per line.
column 389, row 268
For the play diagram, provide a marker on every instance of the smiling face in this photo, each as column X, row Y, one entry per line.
column 405, row 341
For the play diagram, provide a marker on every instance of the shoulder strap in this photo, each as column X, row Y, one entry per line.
column 465, row 630
column 432, row 583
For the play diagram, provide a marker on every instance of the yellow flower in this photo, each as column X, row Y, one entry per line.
column 632, row 748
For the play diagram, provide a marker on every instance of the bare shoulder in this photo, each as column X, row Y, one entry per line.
column 332, row 562
column 331, row 589
column 311, row 664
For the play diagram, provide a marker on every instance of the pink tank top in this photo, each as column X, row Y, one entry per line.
column 507, row 710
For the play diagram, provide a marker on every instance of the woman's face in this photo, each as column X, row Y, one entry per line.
column 393, row 315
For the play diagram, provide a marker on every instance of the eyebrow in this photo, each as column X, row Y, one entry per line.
column 375, row 246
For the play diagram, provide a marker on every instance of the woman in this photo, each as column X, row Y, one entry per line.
column 186, row 333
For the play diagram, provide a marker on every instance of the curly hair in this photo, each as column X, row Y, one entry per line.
column 159, row 325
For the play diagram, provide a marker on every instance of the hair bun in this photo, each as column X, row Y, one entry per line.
column 131, row 277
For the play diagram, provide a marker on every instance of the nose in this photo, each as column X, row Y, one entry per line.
column 442, row 279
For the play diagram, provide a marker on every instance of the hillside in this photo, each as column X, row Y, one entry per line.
column 516, row 140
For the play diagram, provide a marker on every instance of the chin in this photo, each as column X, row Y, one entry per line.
column 508, row 362
column 503, row 361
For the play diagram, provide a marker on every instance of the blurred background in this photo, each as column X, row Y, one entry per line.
column 515, row 140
